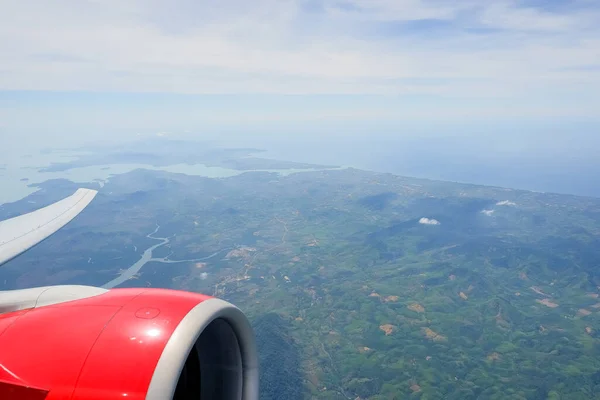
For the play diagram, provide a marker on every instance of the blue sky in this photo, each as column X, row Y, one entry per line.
column 151, row 65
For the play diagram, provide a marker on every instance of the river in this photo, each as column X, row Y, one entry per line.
column 130, row 272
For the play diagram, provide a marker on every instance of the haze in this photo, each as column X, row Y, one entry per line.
column 499, row 92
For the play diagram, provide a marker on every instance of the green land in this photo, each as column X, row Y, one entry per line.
column 350, row 294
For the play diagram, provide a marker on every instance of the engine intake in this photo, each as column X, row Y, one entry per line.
column 210, row 355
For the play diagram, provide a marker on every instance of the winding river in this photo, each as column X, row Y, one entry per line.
column 130, row 272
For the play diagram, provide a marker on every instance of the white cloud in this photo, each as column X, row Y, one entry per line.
column 394, row 10
column 204, row 275
column 503, row 14
column 427, row 221
column 278, row 46
column 487, row 212
column 506, row 203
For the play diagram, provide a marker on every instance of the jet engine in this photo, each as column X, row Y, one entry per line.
column 81, row 342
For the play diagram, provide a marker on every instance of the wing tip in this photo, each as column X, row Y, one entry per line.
column 86, row 191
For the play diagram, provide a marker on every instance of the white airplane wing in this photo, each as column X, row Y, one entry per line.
column 25, row 231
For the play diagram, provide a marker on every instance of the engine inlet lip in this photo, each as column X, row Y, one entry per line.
column 171, row 362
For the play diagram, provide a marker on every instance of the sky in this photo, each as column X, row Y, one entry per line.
column 542, row 55
column 499, row 72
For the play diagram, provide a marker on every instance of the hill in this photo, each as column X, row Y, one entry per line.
column 374, row 286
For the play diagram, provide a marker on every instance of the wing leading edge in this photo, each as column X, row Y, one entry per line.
column 20, row 233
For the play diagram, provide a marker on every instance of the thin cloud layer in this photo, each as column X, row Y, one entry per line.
column 464, row 49
column 489, row 213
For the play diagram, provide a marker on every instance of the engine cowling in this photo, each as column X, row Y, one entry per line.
column 128, row 344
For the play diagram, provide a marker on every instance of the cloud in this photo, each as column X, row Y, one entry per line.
column 427, row 221
column 487, row 212
column 493, row 49
column 506, row 203
column 204, row 275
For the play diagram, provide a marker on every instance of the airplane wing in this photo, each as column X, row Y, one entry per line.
column 25, row 231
